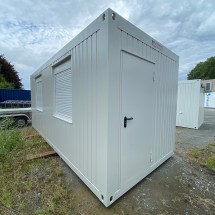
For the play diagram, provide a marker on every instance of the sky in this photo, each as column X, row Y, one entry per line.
column 33, row 31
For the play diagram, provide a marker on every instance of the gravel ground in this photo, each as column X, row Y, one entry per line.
column 179, row 186
column 187, row 138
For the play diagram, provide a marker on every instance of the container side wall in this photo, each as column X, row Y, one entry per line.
column 82, row 143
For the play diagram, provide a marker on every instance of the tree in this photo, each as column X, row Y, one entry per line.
column 8, row 75
column 203, row 70
column 4, row 84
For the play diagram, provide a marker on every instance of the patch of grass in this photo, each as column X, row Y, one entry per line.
column 31, row 187
column 9, row 140
column 194, row 152
column 59, row 172
column 41, row 212
column 205, row 156
column 210, row 163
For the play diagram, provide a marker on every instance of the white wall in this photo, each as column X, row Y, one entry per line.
column 209, row 100
column 190, row 113
column 82, row 143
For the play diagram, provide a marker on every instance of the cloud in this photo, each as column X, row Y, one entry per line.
column 31, row 32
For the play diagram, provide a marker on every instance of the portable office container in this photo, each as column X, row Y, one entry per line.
column 190, row 104
column 210, row 100
column 106, row 102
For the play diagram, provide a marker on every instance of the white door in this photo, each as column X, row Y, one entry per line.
column 136, row 131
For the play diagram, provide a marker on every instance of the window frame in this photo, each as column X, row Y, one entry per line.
column 38, row 79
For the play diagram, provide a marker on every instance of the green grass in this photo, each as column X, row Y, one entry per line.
column 30, row 187
column 205, row 156
column 194, row 152
column 210, row 163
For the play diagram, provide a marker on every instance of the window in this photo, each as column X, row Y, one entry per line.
column 63, row 91
column 39, row 95
column 208, row 86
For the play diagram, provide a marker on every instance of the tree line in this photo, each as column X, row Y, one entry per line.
column 203, row 70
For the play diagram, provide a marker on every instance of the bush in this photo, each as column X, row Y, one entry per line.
column 7, row 123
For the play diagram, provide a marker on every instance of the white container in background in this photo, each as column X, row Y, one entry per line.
column 210, row 100
column 190, row 104
column 81, row 96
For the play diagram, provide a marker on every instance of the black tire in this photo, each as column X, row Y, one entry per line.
column 21, row 121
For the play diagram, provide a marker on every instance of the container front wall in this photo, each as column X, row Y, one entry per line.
column 81, row 143
column 126, row 38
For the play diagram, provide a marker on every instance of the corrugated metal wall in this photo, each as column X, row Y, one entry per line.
column 82, row 135
column 190, row 103
column 163, row 91
column 201, row 107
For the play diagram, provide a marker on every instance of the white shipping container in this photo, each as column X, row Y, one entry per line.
column 190, row 104
column 209, row 100
column 108, row 105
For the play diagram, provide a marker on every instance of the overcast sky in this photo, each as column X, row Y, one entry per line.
column 32, row 31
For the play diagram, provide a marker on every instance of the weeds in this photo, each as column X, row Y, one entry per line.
column 30, row 187
column 7, row 123
column 194, row 152
column 210, row 163
column 10, row 138
column 205, row 156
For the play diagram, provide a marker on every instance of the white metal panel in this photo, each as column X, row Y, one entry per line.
column 190, row 112
column 163, row 108
column 77, row 143
column 91, row 144
column 201, row 107
column 136, row 136
column 209, row 100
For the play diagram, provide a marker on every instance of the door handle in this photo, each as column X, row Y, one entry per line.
column 126, row 119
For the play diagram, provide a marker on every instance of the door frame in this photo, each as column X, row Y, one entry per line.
column 120, row 102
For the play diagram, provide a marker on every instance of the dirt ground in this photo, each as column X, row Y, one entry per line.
column 179, row 186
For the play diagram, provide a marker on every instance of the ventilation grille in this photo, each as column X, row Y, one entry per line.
column 208, row 86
